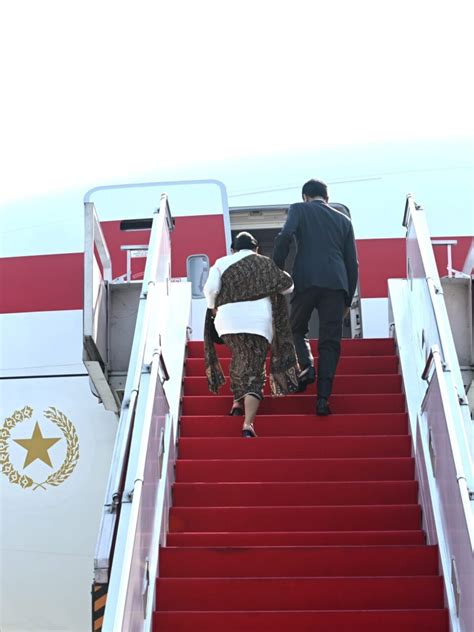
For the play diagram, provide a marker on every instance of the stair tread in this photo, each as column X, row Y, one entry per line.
column 381, row 364
column 343, row 384
column 300, row 593
column 317, row 521
column 296, row 538
column 348, row 346
column 366, row 403
column 304, row 561
column 368, row 424
column 273, row 470
column 293, row 493
column 299, row 518
column 426, row 619
column 294, row 447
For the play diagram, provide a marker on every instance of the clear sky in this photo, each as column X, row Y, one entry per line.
column 99, row 90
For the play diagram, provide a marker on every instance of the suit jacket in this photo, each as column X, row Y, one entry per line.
column 326, row 252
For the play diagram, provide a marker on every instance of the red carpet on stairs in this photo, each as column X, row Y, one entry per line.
column 313, row 526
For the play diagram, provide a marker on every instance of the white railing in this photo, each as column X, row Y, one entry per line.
column 97, row 274
column 135, row 518
column 430, row 321
column 133, row 252
column 131, row 581
column 133, row 571
column 439, row 416
column 446, row 475
column 145, row 315
column 94, row 237
column 468, row 267
column 449, row 243
column 154, row 286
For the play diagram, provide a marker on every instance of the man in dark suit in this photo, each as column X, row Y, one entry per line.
column 325, row 277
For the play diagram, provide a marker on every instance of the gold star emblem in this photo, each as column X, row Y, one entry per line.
column 37, row 447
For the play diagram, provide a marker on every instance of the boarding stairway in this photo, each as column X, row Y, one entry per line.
column 314, row 525
column 359, row 521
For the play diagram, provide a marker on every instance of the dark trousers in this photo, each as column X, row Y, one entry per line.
column 330, row 305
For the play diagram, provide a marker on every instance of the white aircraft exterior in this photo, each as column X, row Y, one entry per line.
column 56, row 440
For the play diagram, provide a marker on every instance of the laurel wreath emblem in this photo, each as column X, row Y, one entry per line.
column 72, row 450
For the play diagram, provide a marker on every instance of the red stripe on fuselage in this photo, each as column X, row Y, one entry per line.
column 55, row 282
column 379, row 260
column 383, row 259
column 43, row 283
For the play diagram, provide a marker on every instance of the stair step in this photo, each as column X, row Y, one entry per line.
column 334, row 593
column 348, row 365
column 340, row 404
column 287, row 470
column 293, row 447
column 426, row 620
column 297, row 425
column 349, row 346
column 315, row 525
column 306, row 518
column 287, row 494
column 296, row 538
column 356, row 384
column 303, row 561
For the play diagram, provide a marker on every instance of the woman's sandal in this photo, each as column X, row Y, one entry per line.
column 236, row 409
column 248, row 432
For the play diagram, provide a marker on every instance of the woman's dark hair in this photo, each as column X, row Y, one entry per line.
column 244, row 241
column 315, row 188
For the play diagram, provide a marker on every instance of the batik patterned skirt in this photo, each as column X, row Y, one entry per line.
column 247, row 367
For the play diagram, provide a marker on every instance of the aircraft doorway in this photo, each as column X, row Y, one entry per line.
column 265, row 223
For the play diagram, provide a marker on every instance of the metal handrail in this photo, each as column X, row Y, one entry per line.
column 449, row 243
column 448, row 484
column 468, row 266
column 446, row 342
column 93, row 239
column 439, row 416
column 448, row 355
column 414, row 213
column 114, row 496
column 95, row 355
column 119, row 463
column 132, row 251
column 462, row 464
column 414, row 216
column 133, row 497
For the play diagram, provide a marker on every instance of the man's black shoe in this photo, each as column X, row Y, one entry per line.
column 322, row 407
column 306, row 377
